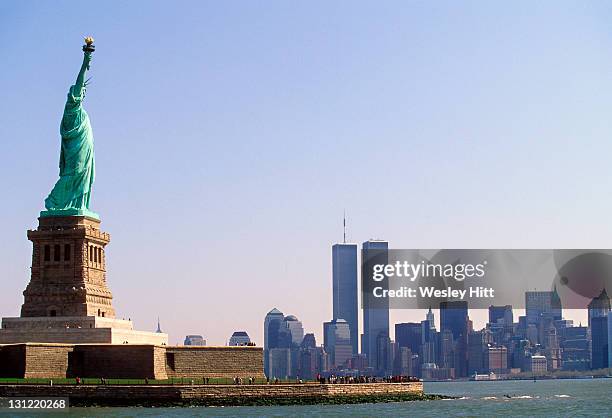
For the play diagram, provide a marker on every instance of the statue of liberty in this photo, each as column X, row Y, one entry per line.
column 72, row 192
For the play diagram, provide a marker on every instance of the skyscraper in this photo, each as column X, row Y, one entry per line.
column 295, row 328
column 337, row 342
column 599, row 343
column 312, row 359
column 599, row 306
column 272, row 327
column 194, row 340
column 539, row 302
column 431, row 320
column 454, row 318
column 409, row 334
column 375, row 320
column 501, row 312
column 344, row 280
column 239, row 338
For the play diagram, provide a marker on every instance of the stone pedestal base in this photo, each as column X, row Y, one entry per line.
column 76, row 330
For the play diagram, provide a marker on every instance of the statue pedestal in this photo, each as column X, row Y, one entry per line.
column 68, row 275
column 68, row 299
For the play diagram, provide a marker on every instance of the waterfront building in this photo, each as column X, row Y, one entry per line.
column 576, row 355
column 478, row 344
column 431, row 371
column 537, row 364
column 196, row 340
column 344, row 283
column 496, row 360
column 239, row 338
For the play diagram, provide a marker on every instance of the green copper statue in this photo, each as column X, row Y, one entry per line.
column 72, row 192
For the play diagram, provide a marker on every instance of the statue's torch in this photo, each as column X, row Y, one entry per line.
column 89, row 46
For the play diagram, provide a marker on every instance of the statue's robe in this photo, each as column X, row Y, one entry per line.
column 77, row 173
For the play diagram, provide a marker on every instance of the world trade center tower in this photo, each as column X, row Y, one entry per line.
column 344, row 278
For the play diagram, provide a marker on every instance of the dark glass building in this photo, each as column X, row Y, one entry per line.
column 409, row 334
column 454, row 318
column 599, row 342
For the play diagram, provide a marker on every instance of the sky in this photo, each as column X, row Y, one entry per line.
column 232, row 136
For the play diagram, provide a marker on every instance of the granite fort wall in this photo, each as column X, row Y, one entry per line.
column 129, row 361
column 47, row 360
column 212, row 394
column 213, row 362
column 118, row 361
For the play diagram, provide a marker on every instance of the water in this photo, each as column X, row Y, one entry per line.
column 546, row 398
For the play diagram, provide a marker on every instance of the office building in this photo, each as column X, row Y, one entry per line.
column 344, row 283
column 410, row 334
column 194, row 340
column 295, row 328
column 599, row 343
column 501, row 313
column 337, row 343
column 454, row 318
column 599, row 306
column 272, row 333
column 375, row 320
column 239, row 338
column 496, row 360
column 537, row 364
column 280, row 363
column 540, row 302
column 431, row 320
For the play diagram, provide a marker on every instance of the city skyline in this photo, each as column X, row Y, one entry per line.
column 251, row 145
column 541, row 341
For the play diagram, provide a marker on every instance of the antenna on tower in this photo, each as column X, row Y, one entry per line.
column 344, row 226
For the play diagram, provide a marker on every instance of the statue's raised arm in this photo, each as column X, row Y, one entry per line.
column 72, row 192
column 80, row 81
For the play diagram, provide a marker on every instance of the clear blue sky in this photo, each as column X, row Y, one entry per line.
column 230, row 137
